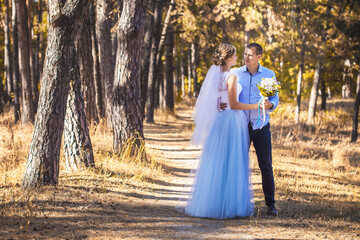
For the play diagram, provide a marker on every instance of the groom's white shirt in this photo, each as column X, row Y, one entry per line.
column 250, row 93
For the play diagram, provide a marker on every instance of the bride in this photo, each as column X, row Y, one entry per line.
column 221, row 188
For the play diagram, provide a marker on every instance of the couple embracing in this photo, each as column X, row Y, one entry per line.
column 226, row 122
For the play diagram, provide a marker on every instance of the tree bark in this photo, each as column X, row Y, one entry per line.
column 85, row 61
column 37, row 59
column 127, row 118
column 34, row 80
column 193, row 68
column 15, row 57
column 24, row 63
column 7, row 54
column 150, row 102
column 182, row 69
column 189, row 71
column 176, row 68
column 100, row 112
column 169, row 69
column 354, row 133
column 77, row 144
column 323, row 95
column 42, row 166
column 314, row 92
column 159, row 62
column 299, row 82
column 106, row 67
column 145, row 62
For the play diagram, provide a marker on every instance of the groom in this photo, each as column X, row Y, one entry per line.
column 249, row 76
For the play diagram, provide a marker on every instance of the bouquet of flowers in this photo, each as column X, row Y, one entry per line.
column 268, row 87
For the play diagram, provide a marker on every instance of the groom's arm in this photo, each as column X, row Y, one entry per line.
column 274, row 99
column 275, row 102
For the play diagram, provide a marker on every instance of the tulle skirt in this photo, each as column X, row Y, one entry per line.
column 221, row 187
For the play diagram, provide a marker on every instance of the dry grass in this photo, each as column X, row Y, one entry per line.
column 316, row 171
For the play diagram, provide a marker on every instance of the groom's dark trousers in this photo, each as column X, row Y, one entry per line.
column 261, row 139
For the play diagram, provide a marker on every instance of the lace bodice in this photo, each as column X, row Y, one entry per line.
column 223, row 89
column 222, row 82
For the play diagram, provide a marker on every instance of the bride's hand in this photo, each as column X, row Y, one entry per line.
column 223, row 106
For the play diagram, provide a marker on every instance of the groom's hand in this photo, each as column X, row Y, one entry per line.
column 223, row 106
column 267, row 104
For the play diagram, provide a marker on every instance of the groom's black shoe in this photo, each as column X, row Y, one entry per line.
column 272, row 210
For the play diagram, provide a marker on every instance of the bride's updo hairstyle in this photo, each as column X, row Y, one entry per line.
column 222, row 53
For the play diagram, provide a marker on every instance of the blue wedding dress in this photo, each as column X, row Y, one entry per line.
column 221, row 187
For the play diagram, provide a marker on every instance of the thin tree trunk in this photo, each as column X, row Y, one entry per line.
column 176, row 69
column 160, row 52
column 37, row 64
column 77, row 144
column 193, row 68
column 169, row 69
column 100, row 112
column 127, row 118
column 182, row 69
column 34, row 80
column 159, row 86
column 314, row 92
column 103, row 35
column 15, row 56
column 189, row 71
column 7, row 54
column 114, row 37
column 323, row 95
column 85, row 61
column 150, row 101
column 145, row 62
column 354, row 133
column 42, row 167
column 299, row 82
column 24, row 63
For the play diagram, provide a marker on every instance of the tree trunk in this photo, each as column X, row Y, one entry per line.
column 182, row 69
column 37, row 59
column 145, row 62
column 15, row 56
column 189, row 71
column 193, row 68
column 176, row 69
column 114, row 38
column 160, row 52
column 34, row 80
column 323, row 95
column 354, row 133
column 100, row 112
column 127, row 118
column 299, row 82
column 42, row 167
column 161, row 87
column 24, row 60
column 7, row 54
column 103, row 35
column 85, row 61
column 150, row 101
column 169, row 69
column 314, row 92
column 77, row 144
